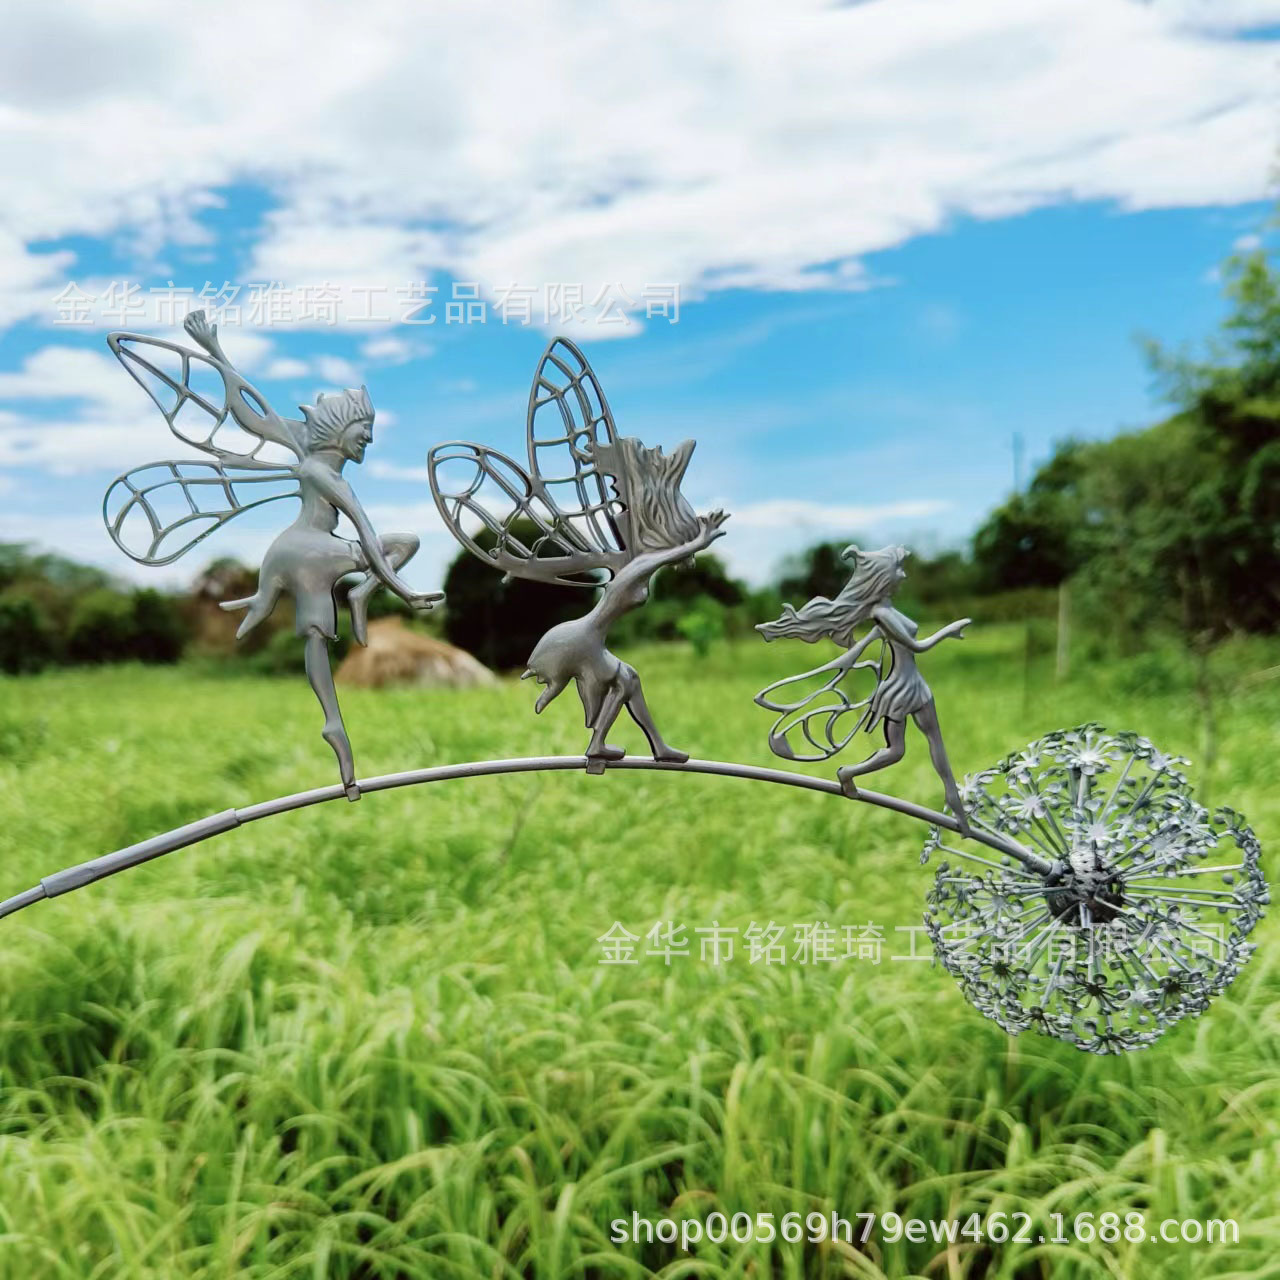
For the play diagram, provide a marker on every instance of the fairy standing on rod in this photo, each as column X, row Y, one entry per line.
column 900, row 691
column 606, row 514
column 159, row 511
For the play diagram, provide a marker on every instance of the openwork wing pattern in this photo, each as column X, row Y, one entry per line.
column 191, row 391
column 1143, row 917
column 469, row 480
column 595, row 500
column 568, row 420
column 158, row 512
column 579, row 526
column 822, row 722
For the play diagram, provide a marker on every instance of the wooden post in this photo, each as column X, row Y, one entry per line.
column 1064, row 629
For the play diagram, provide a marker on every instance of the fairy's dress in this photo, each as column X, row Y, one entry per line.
column 903, row 691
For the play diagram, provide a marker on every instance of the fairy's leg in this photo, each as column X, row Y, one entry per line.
column 400, row 548
column 927, row 721
column 639, row 711
column 895, row 746
column 320, row 673
column 601, row 713
column 552, row 690
column 259, row 605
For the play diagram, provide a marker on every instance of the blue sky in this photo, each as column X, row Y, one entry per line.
column 897, row 245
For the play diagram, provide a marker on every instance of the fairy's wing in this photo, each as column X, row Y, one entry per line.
column 829, row 710
column 568, row 420
column 193, row 392
column 158, row 512
column 557, row 521
column 532, row 538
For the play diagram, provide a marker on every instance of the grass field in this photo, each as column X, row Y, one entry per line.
column 377, row 1040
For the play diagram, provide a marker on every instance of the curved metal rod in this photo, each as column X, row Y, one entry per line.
column 193, row 832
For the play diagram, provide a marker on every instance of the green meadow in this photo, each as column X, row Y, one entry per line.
column 377, row 1040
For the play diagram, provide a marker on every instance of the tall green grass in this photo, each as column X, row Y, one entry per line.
column 375, row 1040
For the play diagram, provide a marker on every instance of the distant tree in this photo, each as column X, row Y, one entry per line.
column 1223, row 556
column 1037, row 538
column 102, row 628
column 500, row 621
column 224, row 579
column 18, row 563
column 26, row 640
column 819, row 571
column 159, row 631
column 704, row 577
column 945, row 576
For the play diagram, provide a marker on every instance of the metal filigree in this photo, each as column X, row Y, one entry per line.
column 158, row 512
column 607, row 512
column 898, row 693
column 1143, row 917
column 1107, row 904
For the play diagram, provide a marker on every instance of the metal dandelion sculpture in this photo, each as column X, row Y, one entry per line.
column 1143, row 916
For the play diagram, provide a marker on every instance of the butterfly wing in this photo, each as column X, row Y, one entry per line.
column 158, row 512
column 828, row 711
column 533, row 538
column 193, row 393
column 568, row 418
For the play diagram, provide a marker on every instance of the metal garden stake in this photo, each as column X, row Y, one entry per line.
column 1106, row 905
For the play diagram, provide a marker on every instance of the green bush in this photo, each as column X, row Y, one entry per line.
column 102, row 628
column 109, row 626
column 500, row 620
column 702, row 626
column 26, row 640
column 159, row 631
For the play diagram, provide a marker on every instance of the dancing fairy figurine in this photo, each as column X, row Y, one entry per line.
column 828, row 717
column 599, row 503
column 159, row 511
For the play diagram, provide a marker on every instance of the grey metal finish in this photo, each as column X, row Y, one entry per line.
column 898, row 693
column 599, row 504
column 193, row 832
column 1116, row 870
column 259, row 457
column 1144, row 917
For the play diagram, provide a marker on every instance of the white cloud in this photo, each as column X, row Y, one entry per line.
column 737, row 143
column 337, row 370
column 287, row 367
column 394, row 471
column 110, row 417
column 388, row 349
column 107, row 426
column 793, row 513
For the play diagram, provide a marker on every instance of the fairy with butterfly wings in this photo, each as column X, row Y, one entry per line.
column 158, row 512
column 824, row 720
column 606, row 512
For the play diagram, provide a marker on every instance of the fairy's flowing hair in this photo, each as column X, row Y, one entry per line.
column 331, row 415
column 874, row 579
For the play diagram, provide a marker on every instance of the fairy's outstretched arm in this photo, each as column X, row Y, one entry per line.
column 245, row 402
column 337, row 491
column 619, row 593
column 647, row 563
column 887, row 621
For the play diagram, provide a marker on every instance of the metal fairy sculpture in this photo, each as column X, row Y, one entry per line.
column 1107, row 904
column 159, row 511
column 600, row 503
column 899, row 693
